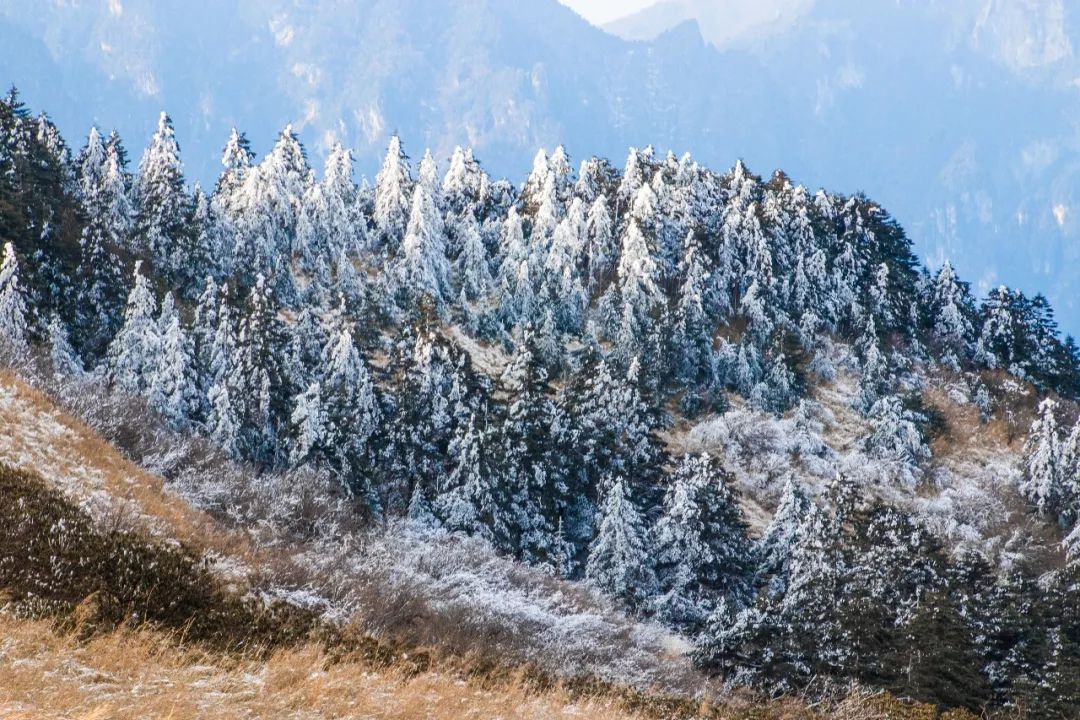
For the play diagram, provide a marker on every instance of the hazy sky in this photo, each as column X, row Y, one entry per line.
column 601, row 11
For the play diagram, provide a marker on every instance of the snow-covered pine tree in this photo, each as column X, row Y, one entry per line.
column 702, row 550
column 422, row 269
column 465, row 186
column 258, row 390
column 393, row 187
column 14, row 337
column 515, row 282
column 952, row 312
column 351, row 410
column 897, row 441
column 601, row 249
column 472, row 262
column 1042, row 483
column 162, row 230
column 173, row 387
column 562, row 290
column 65, row 360
column 473, row 498
column 640, row 296
column 776, row 544
column 346, row 226
column 692, row 331
column 621, row 555
column 222, row 423
column 530, row 461
column 309, row 433
column 874, row 380
column 134, row 351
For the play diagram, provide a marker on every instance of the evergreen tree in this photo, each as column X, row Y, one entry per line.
column 530, row 459
column 1043, row 484
column 422, row 269
column 309, row 427
column 258, row 391
column 174, row 385
column 161, row 224
column 14, row 338
column 65, row 360
column 896, row 439
column 621, row 555
column 134, row 351
column 701, row 545
column 393, row 187
column 351, row 410
column 952, row 310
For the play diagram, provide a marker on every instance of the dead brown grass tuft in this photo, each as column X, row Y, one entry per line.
column 141, row 674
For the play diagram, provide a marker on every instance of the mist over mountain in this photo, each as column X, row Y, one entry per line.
column 955, row 115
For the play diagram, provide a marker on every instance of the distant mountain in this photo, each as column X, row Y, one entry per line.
column 732, row 22
column 958, row 115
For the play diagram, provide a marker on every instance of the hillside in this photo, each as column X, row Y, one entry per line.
column 75, row 661
column 681, row 432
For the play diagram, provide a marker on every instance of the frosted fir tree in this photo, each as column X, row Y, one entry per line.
column 307, row 337
column 204, row 326
column 634, row 175
column 952, row 310
column 514, row 277
column 174, row 385
column 1070, row 474
column 465, row 186
column 114, row 193
column 692, row 332
column 875, row 369
column 896, row 440
column 309, row 427
column 393, row 186
column 533, row 477
column 545, row 220
column 562, row 172
column 777, row 389
column 702, row 550
column 776, row 544
column 14, row 338
column 533, row 189
column 620, row 559
column 1043, row 484
column 161, row 227
column 346, row 227
column 601, row 251
column 612, row 427
column 133, row 354
column 222, row 423
column 350, row 406
column 90, row 169
column 229, row 200
column 99, row 290
column 639, row 294
column 257, row 377
column 563, row 289
column 472, row 500
column 473, row 268
column 422, row 269
column 65, row 360
column 209, row 250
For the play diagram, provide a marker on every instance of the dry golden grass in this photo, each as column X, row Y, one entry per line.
column 36, row 437
column 143, row 675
